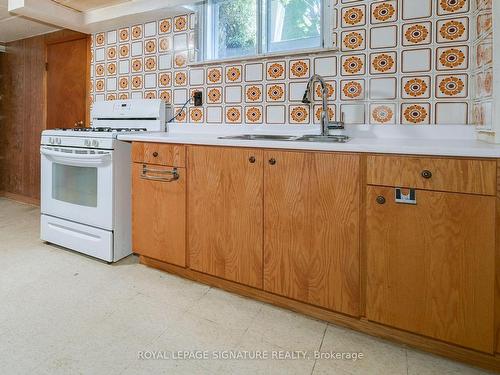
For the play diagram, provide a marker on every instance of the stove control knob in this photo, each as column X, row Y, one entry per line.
column 59, row 141
column 87, row 142
column 95, row 143
column 51, row 141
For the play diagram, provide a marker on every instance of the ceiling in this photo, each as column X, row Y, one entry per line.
column 84, row 5
column 13, row 27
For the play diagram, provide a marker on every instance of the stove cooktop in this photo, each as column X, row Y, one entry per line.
column 103, row 129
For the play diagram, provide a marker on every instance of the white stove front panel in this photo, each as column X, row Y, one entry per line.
column 77, row 185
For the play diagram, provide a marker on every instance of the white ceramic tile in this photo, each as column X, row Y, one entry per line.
column 416, row 9
column 451, row 113
column 165, row 62
column 233, row 94
column 124, row 67
column 383, row 37
column 275, row 114
column 326, row 66
column 180, row 96
column 111, row 84
column 100, row 54
column 383, row 88
column 214, row 115
column 296, row 91
column 150, row 81
column 353, row 113
column 111, row 37
column 196, row 76
column 150, row 29
column 418, row 60
column 180, row 42
column 136, row 48
column 254, row 72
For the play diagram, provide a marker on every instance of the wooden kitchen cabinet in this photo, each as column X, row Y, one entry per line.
column 311, row 228
column 159, row 213
column 431, row 265
column 225, row 212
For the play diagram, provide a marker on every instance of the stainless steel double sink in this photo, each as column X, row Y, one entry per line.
column 293, row 138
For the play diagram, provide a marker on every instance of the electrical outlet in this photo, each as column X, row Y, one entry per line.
column 198, row 98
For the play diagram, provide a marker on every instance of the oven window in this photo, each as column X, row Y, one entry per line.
column 77, row 185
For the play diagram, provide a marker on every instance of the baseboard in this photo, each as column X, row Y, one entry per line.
column 20, row 198
column 457, row 353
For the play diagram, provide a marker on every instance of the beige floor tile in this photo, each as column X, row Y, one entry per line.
column 226, row 308
column 274, row 362
column 379, row 356
column 426, row 364
column 287, row 329
column 65, row 313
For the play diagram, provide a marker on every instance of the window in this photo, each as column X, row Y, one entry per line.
column 239, row 28
column 293, row 24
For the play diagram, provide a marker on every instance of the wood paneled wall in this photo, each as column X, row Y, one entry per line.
column 23, row 88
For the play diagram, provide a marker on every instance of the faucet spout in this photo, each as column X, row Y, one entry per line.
column 326, row 124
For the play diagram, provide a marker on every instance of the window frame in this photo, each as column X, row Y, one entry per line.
column 207, row 42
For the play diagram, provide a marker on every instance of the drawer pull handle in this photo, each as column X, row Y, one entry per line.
column 252, row 159
column 146, row 170
column 426, row 174
column 272, row 161
column 380, row 199
column 155, row 154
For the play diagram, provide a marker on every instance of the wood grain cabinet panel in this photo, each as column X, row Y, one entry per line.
column 453, row 175
column 311, row 228
column 159, row 214
column 431, row 265
column 159, row 154
column 225, row 212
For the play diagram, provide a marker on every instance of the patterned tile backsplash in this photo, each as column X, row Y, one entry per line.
column 399, row 62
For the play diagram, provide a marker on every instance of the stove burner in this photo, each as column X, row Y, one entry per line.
column 130, row 129
column 103, row 129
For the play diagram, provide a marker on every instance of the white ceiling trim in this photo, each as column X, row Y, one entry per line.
column 97, row 19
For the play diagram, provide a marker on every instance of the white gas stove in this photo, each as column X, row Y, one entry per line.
column 85, row 197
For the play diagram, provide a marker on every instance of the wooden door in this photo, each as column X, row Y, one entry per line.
column 311, row 228
column 159, row 215
column 225, row 213
column 67, row 70
column 431, row 265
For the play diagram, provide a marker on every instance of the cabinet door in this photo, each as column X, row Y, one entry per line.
column 431, row 265
column 159, row 214
column 311, row 228
column 225, row 213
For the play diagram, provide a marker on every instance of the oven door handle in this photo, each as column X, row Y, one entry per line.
column 78, row 160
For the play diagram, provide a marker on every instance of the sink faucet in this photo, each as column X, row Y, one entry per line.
column 326, row 124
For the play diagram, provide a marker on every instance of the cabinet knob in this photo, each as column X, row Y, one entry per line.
column 251, row 159
column 272, row 161
column 380, row 199
column 155, row 154
column 426, row 174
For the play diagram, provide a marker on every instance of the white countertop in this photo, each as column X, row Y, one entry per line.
column 449, row 140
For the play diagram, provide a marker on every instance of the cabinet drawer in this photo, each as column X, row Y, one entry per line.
column 159, row 154
column 452, row 175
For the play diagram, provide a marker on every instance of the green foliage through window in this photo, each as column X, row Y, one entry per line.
column 231, row 26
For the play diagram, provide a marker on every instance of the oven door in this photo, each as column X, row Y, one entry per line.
column 77, row 185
